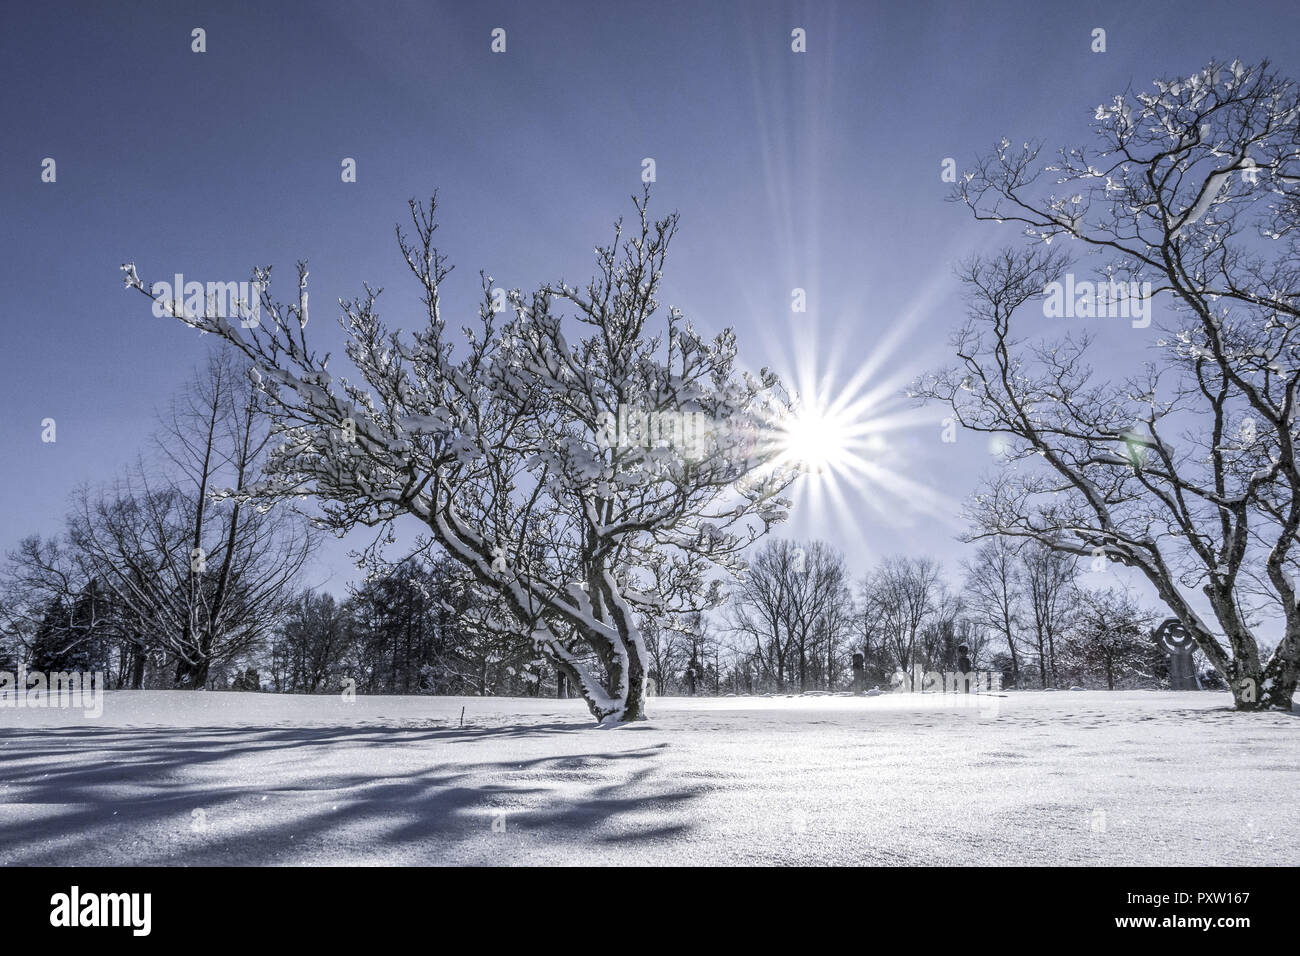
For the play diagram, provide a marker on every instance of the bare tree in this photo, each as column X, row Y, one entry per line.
column 794, row 607
column 663, row 643
column 837, row 627
column 1187, row 471
column 513, row 456
column 939, row 633
column 870, row 634
column 817, row 585
column 203, row 579
column 900, row 596
column 311, row 641
column 1048, row 582
column 51, row 605
column 993, row 594
column 760, row 611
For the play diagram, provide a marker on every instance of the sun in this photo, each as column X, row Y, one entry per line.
column 849, row 443
column 816, row 440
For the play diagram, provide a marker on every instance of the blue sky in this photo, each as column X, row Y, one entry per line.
column 818, row 170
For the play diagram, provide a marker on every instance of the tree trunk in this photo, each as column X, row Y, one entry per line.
column 1015, row 659
column 635, row 709
column 192, row 676
column 1265, row 690
column 137, row 668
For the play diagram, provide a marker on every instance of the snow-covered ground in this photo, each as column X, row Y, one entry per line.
column 1084, row 777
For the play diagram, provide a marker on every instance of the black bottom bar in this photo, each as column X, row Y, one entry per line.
column 946, row 907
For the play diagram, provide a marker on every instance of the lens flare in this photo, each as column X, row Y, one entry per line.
column 856, row 441
column 817, row 441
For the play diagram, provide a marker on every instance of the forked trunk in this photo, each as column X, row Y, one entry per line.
column 1265, row 690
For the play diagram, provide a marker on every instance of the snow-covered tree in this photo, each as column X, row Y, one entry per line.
column 584, row 481
column 1186, row 471
column 1110, row 640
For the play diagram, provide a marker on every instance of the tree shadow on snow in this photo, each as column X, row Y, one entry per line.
column 267, row 795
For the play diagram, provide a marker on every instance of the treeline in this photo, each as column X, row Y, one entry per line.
column 421, row 627
column 159, row 578
column 798, row 617
column 162, row 579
